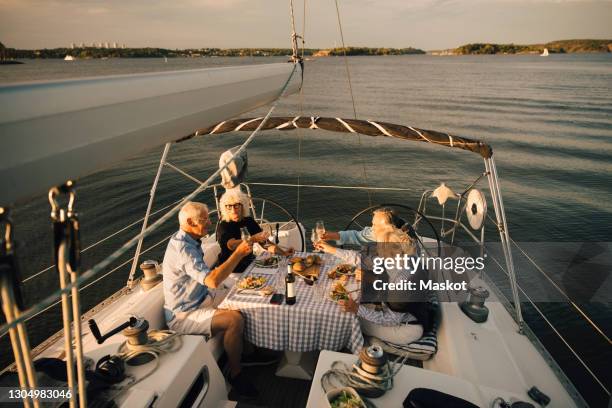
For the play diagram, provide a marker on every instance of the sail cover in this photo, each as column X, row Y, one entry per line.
column 54, row 131
column 236, row 171
column 364, row 127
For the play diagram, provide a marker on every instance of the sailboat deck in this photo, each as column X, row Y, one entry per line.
column 280, row 392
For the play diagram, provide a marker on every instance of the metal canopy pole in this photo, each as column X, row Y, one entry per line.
column 162, row 162
column 502, row 226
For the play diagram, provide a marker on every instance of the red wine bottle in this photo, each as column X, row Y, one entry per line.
column 289, row 286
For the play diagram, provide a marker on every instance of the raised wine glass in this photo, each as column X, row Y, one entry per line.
column 314, row 237
column 320, row 229
column 244, row 234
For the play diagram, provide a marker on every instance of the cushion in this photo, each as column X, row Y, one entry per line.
column 211, row 253
column 421, row 349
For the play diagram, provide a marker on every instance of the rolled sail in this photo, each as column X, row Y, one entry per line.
column 58, row 130
column 364, row 127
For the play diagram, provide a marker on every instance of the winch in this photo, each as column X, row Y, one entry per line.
column 475, row 307
column 371, row 375
column 372, row 367
column 151, row 277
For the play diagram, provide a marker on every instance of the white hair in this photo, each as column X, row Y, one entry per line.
column 233, row 196
column 395, row 241
column 191, row 210
column 382, row 222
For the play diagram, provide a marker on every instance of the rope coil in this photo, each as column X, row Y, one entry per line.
column 341, row 375
column 159, row 342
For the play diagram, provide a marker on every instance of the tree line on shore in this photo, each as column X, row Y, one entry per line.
column 152, row 52
column 563, row 46
column 559, row 47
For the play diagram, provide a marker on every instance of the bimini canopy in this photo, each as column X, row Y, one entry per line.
column 365, row 127
column 51, row 132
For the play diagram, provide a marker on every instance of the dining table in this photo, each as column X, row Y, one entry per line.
column 314, row 322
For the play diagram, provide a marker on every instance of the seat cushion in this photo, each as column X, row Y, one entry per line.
column 422, row 349
column 211, row 253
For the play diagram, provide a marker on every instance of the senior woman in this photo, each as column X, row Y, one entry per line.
column 395, row 322
column 235, row 215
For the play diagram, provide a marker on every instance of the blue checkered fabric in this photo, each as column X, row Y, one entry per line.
column 312, row 323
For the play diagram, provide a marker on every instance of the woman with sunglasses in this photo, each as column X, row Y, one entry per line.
column 235, row 214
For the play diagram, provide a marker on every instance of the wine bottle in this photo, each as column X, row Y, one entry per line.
column 289, row 286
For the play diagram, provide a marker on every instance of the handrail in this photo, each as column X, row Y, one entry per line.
column 556, row 331
column 329, row 186
column 97, row 280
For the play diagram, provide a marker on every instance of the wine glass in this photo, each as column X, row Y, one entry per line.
column 244, row 234
column 314, row 237
column 320, row 229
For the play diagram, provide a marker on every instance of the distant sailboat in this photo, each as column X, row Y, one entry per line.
column 544, row 53
column 69, row 58
column 165, row 59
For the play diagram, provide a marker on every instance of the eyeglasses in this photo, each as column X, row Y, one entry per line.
column 230, row 206
column 202, row 221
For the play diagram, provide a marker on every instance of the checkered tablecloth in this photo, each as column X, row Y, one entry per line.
column 312, row 323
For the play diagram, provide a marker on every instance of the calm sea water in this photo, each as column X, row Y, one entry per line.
column 549, row 121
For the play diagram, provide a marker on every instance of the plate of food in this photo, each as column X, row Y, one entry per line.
column 252, row 282
column 267, row 262
column 338, row 292
column 341, row 270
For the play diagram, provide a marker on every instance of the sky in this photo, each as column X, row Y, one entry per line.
column 425, row 24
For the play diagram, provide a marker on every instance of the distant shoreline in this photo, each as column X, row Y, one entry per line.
column 553, row 47
column 95, row 52
column 103, row 52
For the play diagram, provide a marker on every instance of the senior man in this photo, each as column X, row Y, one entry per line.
column 192, row 292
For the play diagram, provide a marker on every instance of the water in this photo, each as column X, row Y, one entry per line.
column 549, row 121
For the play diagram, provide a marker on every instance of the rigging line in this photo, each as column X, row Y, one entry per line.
column 578, row 309
column 348, row 76
column 97, row 280
column 571, row 302
column 303, row 30
column 301, row 104
column 299, row 163
column 93, row 271
column 295, row 57
column 102, row 240
column 555, row 330
column 332, row 186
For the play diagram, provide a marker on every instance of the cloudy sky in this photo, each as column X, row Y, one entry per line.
column 426, row 24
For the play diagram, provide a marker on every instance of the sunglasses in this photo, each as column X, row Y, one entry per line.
column 230, row 206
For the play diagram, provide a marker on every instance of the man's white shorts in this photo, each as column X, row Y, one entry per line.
column 199, row 321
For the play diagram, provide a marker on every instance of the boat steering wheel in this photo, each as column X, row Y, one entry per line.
column 417, row 216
